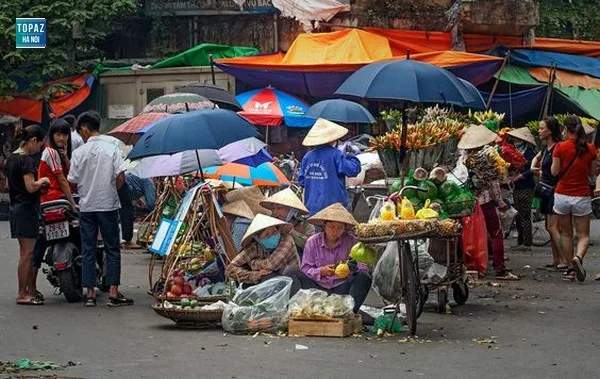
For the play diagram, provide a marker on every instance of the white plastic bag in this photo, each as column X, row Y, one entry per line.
column 260, row 308
column 386, row 275
column 313, row 303
column 507, row 217
column 460, row 174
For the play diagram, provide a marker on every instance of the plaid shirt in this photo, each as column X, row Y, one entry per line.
column 246, row 265
column 301, row 232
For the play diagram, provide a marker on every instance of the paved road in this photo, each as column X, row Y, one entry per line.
column 541, row 327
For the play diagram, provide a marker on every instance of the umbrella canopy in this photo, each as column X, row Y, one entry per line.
column 408, row 80
column 193, row 160
column 127, row 131
column 341, row 110
column 267, row 174
column 205, row 129
column 271, row 107
column 216, row 94
column 178, row 103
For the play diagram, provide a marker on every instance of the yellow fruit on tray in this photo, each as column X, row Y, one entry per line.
column 208, row 255
column 342, row 270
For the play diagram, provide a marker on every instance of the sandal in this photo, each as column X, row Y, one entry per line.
column 579, row 270
column 569, row 275
column 562, row 268
column 38, row 295
column 30, row 301
column 505, row 275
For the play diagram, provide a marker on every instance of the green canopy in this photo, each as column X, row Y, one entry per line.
column 196, row 56
column 586, row 99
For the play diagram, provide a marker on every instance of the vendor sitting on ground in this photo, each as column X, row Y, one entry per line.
column 267, row 250
column 239, row 217
column 286, row 206
column 324, row 251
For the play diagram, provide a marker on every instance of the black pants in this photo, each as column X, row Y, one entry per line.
column 357, row 285
column 523, row 201
column 126, row 213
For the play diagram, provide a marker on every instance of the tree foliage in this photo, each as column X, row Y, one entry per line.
column 96, row 18
column 571, row 19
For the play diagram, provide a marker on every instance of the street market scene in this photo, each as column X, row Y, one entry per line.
column 305, row 188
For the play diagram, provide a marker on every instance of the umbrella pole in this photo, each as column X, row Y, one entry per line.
column 403, row 136
column 199, row 166
column 212, row 69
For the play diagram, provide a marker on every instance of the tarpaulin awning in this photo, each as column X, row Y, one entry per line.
column 415, row 41
column 31, row 108
column 565, row 78
column 569, row 62
column 307, row 11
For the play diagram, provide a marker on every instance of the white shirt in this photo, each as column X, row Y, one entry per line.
column 94, row 168
column 76, row 140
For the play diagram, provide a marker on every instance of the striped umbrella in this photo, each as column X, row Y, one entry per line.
column 265, row 175
column 127, row 131
column 178, row 103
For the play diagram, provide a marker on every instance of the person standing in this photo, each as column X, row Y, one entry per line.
column 550, row 134
column 137, row 188
column 98, row 170
column 324, row 169
column 24, row 194
column 76, row 140
column 524, row 187
column 574, row 161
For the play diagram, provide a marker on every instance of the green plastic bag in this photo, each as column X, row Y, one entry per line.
column 363, row 253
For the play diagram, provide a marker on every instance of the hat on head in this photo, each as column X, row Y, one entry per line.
column 587, row 128
column 476, row 136
column 238, row 208
column 335, row 212
column 324, row 132
column 287, row 198
column 262, row 222
column 251, row 195
column 524, row 134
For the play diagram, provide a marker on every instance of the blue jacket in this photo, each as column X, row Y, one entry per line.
column 323, row 175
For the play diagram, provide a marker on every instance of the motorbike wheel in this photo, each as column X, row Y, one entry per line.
column 70, row 286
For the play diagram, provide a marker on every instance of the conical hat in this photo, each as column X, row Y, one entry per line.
column 238, row 208
column 334, row 212
column 251, row 195
column 324, row 132
column 287, row 198
column 476, row 136
column 587, row 128
column 524, row 134
column 262, row 222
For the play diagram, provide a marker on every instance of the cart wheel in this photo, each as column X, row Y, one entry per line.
column 410, row 288
column 423, row 296
column 460, row 292
column 442, row 300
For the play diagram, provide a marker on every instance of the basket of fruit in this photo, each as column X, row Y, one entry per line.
column 191, row 312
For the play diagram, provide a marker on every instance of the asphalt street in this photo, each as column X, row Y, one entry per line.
column 537, row 327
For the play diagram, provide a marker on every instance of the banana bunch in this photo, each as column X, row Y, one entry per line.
column 501, row 165
column 482, row 117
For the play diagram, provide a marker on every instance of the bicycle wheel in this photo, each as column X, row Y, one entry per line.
column 409, row 288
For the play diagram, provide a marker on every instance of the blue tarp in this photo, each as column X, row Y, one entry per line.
column 569, row 62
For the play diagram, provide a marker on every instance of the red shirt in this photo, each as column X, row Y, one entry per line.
column 575, row 180
column 50, row 167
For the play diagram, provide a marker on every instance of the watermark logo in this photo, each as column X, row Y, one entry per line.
column 31, row 33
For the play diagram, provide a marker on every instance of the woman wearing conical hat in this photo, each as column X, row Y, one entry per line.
column 327, row 249
column 324, row 169
column 488, row 195
column 239, row 216
column 267, row 250
column 286, row 206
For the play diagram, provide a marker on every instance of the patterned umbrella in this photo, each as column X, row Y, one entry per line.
column 178, row 103
column 220, row 96
column 266, row 175
column 271, row 107
column 127, row 131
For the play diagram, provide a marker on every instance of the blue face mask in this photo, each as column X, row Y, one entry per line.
column 270, row 243
column 291, row 214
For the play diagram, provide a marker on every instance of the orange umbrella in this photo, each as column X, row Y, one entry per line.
column 265, row 175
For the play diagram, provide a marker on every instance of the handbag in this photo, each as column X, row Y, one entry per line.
column 545, row 190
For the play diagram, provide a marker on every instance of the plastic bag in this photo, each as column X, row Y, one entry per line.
column 475, row 241
column 460, row 174
column 407, row 212
column 260, row 308
column 427, row 212
column 507, row 217
column 314, row 303
column 386, row 275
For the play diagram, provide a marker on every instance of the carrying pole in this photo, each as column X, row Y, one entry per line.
column 489, row 103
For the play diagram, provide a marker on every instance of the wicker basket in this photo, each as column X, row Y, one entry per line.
column 200, row 319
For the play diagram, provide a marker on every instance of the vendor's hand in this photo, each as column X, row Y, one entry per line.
column 44, row 182
column 597, row 192
column 328, row 270
column 502, row 206
column 263, row 272
column 536, row 171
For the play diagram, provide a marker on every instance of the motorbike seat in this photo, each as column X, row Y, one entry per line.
column 55, row 204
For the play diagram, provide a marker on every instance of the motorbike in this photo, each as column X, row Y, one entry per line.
column 60, row 227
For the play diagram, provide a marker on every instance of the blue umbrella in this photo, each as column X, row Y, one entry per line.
column 408, row 80
column 475, row 93
column 197, row 130
column 340, row 110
